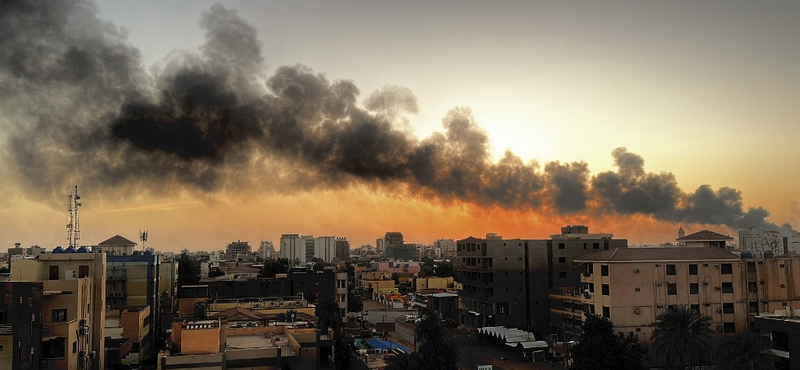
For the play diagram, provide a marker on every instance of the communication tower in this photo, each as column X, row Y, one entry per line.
column 73, row 221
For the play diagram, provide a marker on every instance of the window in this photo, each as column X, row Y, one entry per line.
column 692, row 269
column 83, row 271
column 606, row 312
column 780, row 340
column 728, row 328
column 3, row 318
column 727, row 308
column 53, row 272
column 53, row 348
column 695, row 307
column 562, row 259
column 58, row 315
column 604, row 270
column 502, row 308
column 694, row 288
column 562, row 274
column 672, row 289
column 561, row 245
column 727, row 287
column 595, row 245
column 605, row 289
column 752, row 287
column 74, row 347
column 671, row 270
column 637, row 289
column 727, row 269
column 753, row 307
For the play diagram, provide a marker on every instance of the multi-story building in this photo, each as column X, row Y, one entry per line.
column 446, row 247
column 342, row 249
column 73, row 306
column 633, row 286
column 293, row 247
column 791, row 244
column 380, row 246
column 341, row 294
column 761, row 243
column 395, row 247
column 237, row 249
column 20, row 325
column 507, row 281
column 325, row 248
column 266, row 250
column 782, row 328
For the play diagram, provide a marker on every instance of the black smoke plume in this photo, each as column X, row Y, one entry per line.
column 78, row 107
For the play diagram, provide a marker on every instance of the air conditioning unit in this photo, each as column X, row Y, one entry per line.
column 82, row 322
column 720, row 328
column 635, row 271
column 637, row 311
column 719, row 309
column 705, row 283
column 84, row 330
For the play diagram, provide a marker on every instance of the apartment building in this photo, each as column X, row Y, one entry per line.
column 632, row 286
column 342, row 249
column 507, row 281
column 73, row 305
column 782, row 328
column 20, row 325
column 760, row 242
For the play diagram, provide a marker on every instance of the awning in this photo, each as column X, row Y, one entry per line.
column 533, row 345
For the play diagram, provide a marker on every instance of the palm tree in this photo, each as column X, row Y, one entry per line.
column 744, row 351
column 682, row 338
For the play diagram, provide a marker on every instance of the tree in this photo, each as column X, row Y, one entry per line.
column 212, row 273
column 744, row 351
column 682, row 338
column 279, row 266
column 599, row 348
column 353, row 302
column 188, row 270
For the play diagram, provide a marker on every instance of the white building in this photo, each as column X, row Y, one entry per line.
column 793, row 244
column 266, row 250
column 293, row 247
column 759, row 241
column 445, row 248
column 325, row 248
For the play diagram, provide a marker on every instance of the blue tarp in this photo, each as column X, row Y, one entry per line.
column 382, row 344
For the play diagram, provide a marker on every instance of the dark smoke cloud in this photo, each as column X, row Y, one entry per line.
column 79, row 108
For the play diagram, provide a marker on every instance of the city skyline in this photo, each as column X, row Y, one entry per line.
column 196, row 122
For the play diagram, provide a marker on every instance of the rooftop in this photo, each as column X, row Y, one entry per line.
column 116, row 240
column 705, row 235
column 658, row 254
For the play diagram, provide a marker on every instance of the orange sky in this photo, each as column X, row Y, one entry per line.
column 713, row 101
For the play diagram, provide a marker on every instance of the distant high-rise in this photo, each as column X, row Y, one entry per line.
column 396, row 248
column 446, row 248
column 325, row 248
column 763, row 243
column 238, row 248
column 342, row 248
column 266, row 250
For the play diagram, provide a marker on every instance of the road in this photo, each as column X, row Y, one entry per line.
column 470, row 355
column 404, row 332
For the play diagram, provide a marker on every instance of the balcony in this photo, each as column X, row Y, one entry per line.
column 6, row 329
column 586, row 277
column 587, row 298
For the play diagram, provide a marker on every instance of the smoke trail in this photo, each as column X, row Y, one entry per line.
column 79, row 108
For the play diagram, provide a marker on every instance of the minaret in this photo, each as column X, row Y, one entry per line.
column 681, row 233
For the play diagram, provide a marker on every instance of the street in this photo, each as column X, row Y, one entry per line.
column 470, row 355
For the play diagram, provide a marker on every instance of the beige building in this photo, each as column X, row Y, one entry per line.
column 73, row 315
column 633, row 286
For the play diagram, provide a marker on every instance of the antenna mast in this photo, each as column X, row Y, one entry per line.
column 73, row 225
column 143, row 239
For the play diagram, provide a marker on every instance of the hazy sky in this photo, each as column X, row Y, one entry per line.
column 699, row 92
